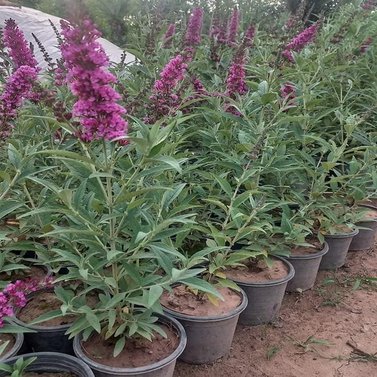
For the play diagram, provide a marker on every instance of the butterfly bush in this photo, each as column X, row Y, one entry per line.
column 236, row 80
column 288, row 93
column 19, row 50
column 169, row 36
column 165, row 99
column 14, row 295
column 194, row 28
column 249, row 36
column 300, row 41
column 233, row 26
column 90, row 81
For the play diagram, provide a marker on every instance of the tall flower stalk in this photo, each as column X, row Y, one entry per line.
column 194, row 28
column 233, row 26
column 299, row 42
column 169, row 36
column 18, row 47
column 90, row 81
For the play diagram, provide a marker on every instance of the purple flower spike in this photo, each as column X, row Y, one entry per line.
column 194, row 28
column 369, row 4
column 288, row 93
column 365, row 45
column 300, row 41
column 169, row 36
column 233, row 26
column 91, row 82
column 236, row 81
column 18, row 87
column 18, row 47
column 249, row 36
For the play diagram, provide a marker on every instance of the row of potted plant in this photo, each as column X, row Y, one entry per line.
column 157, row 242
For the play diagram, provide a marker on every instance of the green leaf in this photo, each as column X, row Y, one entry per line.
column 154, row 294
column 8, row 206
column 202, row 286
column 119, row 346
column 93, row 320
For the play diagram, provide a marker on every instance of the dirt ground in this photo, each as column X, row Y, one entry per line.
column 329, row 331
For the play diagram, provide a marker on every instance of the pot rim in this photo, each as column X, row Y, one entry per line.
column 343, row 235
column 19, row 340
column 234, row 312
column 138, row 370
column 269, row 283
column 316, row 255
column 52, row 357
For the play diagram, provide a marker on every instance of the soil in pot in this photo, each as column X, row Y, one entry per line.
column 48, row 335
column 136, row 353
column 210, row 328
column 257, row 271
column 264, row 286
column 306, row 261
column 184, row 301
column 7, row 338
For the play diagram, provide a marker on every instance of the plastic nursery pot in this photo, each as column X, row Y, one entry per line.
column 366, row 237
column 209, row 337
column 47, row 338
column 163, row 368
column 51, row 362
column 306, row 269
column 338, row 250
column 265, row 298
column 19, row 340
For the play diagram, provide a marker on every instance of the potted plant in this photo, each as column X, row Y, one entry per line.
column 45, row 362
column 367, row 225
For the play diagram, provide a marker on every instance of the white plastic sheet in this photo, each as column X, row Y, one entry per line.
column 33, row 21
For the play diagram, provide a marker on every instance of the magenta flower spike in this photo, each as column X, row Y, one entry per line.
column 236, row 81
column 233, row 26
column 249, row 36
column 18, row 47
column 288, row 93
column 300, row 41
column 194, row 28
column 365, row 45
column 18, row 87
column 169, row 36
column 91, row 82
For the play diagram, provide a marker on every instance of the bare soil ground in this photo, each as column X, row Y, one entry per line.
column 329, row 331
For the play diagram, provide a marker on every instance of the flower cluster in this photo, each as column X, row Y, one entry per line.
column 86, row 62
column 248, row 38
column 194, row 28
column 19, row 50
column 300, row 41
column 365, row 45
column 18, row 87
column 233, row 26
column 218, row 31
column 169, row 36
column 288, row 93
column 236, row 80
column 369, row 4
column 165, row 99
column 14, row 295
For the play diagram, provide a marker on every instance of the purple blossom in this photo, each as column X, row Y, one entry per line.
column 194, row 28
column 18, row 87
column 300, row 41
column 369, row 4
column 218, row 31
column 249, row 36
column 14, row 295
column 365, row 45
column 17, row 45
column 236, row 80
column 91, row 82
column 165, row 98
column 288, row 93
column 169, row 36
column 233, row 26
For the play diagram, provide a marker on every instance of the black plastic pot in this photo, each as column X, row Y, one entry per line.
column 19, row 340
column 306, row 269
column 50, row 362
column 338, row 250
column 47, row 338
column 265, row 298
column 163, row 368
column 366, row 237
column 208, row 338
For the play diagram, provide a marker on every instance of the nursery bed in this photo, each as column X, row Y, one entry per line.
column 327, row 331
